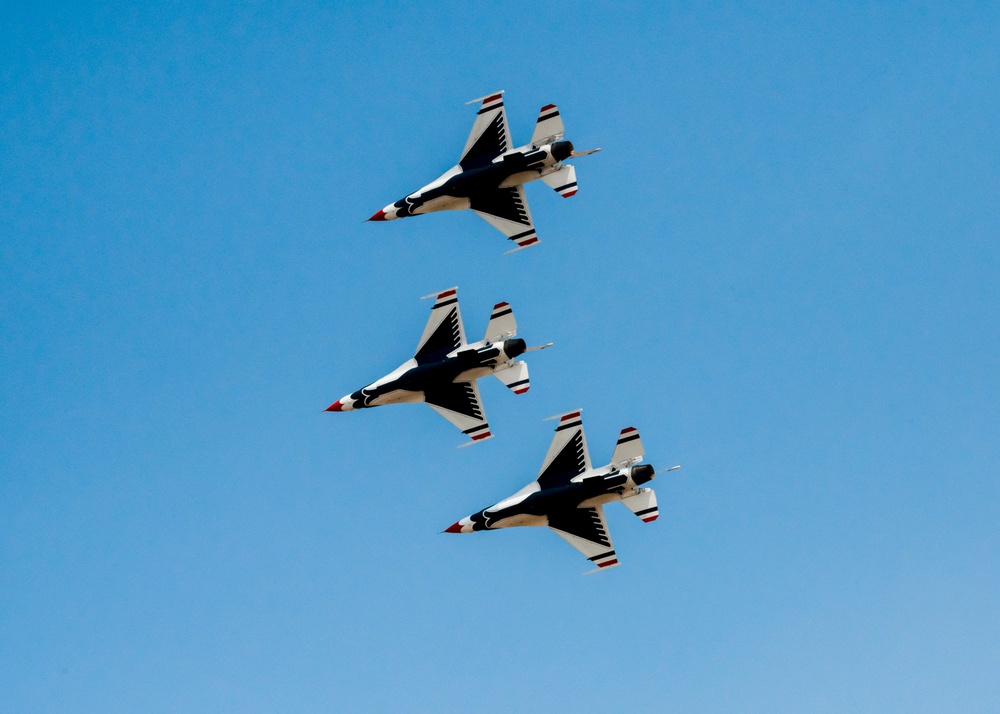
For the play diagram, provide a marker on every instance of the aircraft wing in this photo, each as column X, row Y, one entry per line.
column 586, row 530
column 567, row 456
column 506, row 209
column 444, row 331
column 490, row 135
column 459, row 403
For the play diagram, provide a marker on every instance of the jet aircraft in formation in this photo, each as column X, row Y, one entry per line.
column 444, row 370
column 490, row 175
column 569, row 494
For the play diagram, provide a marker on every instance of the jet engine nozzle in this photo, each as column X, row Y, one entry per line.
column 562, row 150
column 642, row 473
column 514, row 347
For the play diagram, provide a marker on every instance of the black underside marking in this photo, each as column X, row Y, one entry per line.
column 568, row 463
column 602, row 556
column 582, row 522
column 458, row 397
column 568, row 425
column 519, row 236
column 645, row 511
column 505, row 311
column 443, row 303
column 546, row 117
column 492, row 142
column 474, row 429
column 503, row 203
column 442, row 341
column 626, row 439
column 569, row 185
column 518, row 384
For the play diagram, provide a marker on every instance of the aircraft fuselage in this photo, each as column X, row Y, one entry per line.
column 531, row 508
column 458, row 187
column 412, row 379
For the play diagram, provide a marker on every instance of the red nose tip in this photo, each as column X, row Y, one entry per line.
column 454, row 528
column 380, row 216
column 335, row 407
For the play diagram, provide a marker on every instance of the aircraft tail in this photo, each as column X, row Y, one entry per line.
column 548, row 127
column 502, row 323
column 643, row 504
column 629, row 449
column 515, row 377
column 562, row 181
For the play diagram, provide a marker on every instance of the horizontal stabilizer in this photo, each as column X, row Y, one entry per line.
column 516, row 377
column 643, row 504
column 562, row 181
column 549, row 126
column 629, row 449
column 502, row 323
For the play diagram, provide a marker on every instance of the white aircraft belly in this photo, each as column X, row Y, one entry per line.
column 520, row 178
column 444, row 203
column 397, row 396
column 470, row 375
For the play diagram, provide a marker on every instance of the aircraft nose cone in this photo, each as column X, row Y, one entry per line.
column 339, row 406
column 455, row 527
column 380, row 216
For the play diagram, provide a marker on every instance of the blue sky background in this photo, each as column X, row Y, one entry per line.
column 783, row 269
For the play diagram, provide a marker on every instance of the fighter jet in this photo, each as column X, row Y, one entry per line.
column 444, row 370
column 489, row 176
column 569, row 494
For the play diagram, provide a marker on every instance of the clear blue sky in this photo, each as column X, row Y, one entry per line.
column 783, row 269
